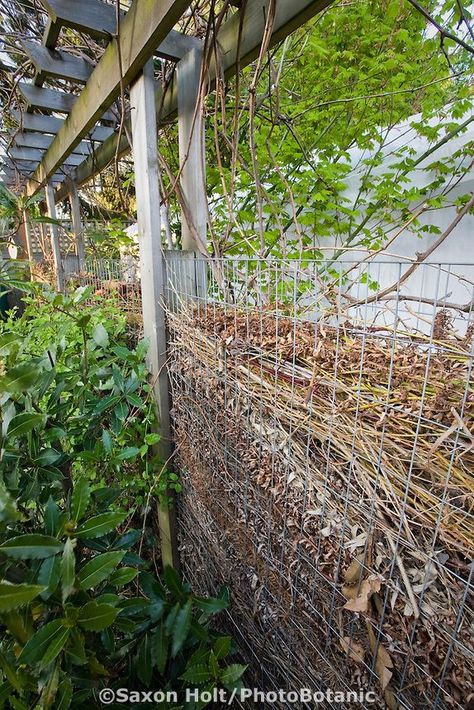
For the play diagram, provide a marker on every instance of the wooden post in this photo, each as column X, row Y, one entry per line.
column 55, row 244
column 191, row 150
column 145, row 156
column 77, row 227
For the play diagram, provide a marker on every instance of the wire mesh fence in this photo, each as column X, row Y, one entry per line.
column 115, row 279
column 323, row 423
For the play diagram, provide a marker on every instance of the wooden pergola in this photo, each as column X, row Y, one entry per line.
column 59, row 153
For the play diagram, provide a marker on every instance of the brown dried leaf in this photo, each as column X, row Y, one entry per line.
column 383, row 665
column 361, row 602
column 353, row 573
column 355, row 650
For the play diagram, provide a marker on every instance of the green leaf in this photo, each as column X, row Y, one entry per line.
column 36, row 647
column 211, row 605
column 96, row 617
column 214, row 665
column 222, row 647
column 152, row 439
column 7, row 415
column 48, row 457
column 5, row 693
column 76, row 648
column 128, row 453
column 13, row 596
column 80, row 499
column 23, row 423
column 196, row 674
column 232, row 673
column 123, row 576
column 68, row 562
column 98, row 569
column 159, row 649
column 51, row 517
column 172, row 580
column 107, row 441
column 171, row 618
column 56, row 646
column 181, row 628
column 121, row 411
column 64, row 696
column 144, row 666
column 49, row 575
column 100, row 336
column 20, row 378
column 31, row 547
column 100, row 525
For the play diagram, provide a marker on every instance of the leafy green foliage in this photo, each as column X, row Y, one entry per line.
column 80, row 628
column 301, row 155
column 76, row 403
column 79, row 607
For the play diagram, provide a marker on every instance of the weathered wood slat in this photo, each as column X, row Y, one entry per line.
column 49, row 99
column 176, row 45
column 99, row 20
column 51, row 124
column 33, row 155
column 145, row 155
column 42, row 142
column 92, row 17
column 145, row 25
column 77, row 223
column 55, row 242
column 51, row 33
column 289, row 15
column 191, row 153
column 57, row 63
column 11, row 173
column 52, row 100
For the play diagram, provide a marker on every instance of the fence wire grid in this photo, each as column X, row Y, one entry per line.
column 323, row 422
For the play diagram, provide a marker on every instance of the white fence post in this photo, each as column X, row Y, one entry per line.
column 77, row 226
column 145, row 156
column 55, row 244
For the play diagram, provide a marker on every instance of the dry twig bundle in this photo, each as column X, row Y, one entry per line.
column 336, row 467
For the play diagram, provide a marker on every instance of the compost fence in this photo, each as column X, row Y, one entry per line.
column 323, row 425
column 322, row 418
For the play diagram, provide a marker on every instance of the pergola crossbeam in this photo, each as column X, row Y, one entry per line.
column 31, row 155
column 52, row 100
column 57, row 63
column 42, row 142
column 176, row 45
column 144, row 27
column 39, row 123
column 91, row 17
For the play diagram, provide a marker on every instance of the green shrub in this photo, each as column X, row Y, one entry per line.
column 79, row 607
column 79, row 610
column 75, row 400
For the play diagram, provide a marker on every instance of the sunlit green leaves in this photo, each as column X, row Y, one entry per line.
column 68, row 566
column 98, row 569
column 100, row 525
column 80, row 499
column 29, row 547
column 96, row 617
column 14, row 596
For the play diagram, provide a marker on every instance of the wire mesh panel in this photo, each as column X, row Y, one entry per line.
column 323, row 424
column 115, row 279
